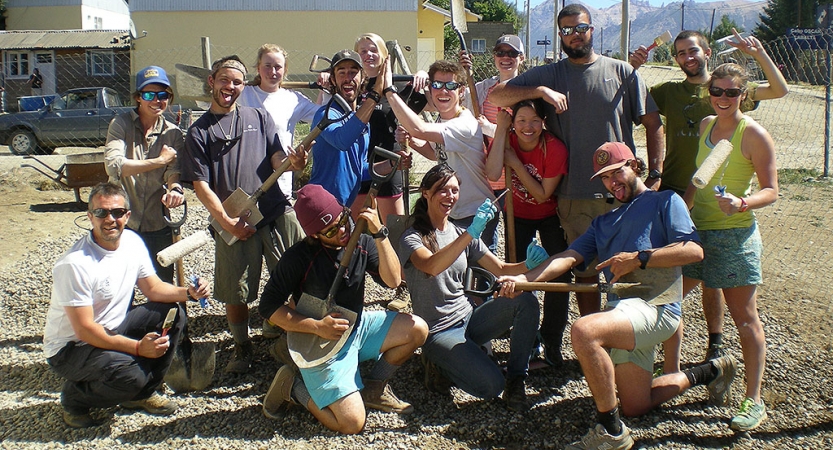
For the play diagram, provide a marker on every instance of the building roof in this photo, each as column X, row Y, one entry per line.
column 52, row 39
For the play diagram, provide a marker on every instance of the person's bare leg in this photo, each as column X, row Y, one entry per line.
column 743, row 305
column 346, row 415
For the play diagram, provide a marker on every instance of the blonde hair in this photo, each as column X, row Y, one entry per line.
column 376, row 39
column 264, row 49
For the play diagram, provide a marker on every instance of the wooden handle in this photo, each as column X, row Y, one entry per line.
column 511, row 250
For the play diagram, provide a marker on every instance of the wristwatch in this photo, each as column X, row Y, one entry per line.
column 654, row 174
column 373, row 95
column 382, row 234
column 390, row 88
column 644, row 256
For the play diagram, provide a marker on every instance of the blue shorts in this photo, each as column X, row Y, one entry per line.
column 340, row 377
column 732, row 258
column 651, row 325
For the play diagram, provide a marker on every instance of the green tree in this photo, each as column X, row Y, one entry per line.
column 724, row 28
column 489, row 10
column 779, row 15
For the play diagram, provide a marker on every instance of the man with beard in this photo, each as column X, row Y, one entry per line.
column 606, row 97
column 341, row 152
column 651, row 231
column 232, row 147
column 684, row 103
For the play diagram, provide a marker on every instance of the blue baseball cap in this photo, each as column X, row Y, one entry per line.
column 150, row 75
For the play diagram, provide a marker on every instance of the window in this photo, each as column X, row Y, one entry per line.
column 17, row 64
column 478, row 45
column 100, row 63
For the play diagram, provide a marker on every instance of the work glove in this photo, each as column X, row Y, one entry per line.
column 535, row 254
column 484, row 214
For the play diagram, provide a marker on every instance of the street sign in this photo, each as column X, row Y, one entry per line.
column 543, row 42
column 808, row 38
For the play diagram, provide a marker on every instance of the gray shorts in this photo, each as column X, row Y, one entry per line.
column 237, row 267
column 732, row 258
column 576, row 216
column 651, row 326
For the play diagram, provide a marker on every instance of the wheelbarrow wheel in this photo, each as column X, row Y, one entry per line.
column 23, row 142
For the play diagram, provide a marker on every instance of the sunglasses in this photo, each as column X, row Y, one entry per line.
column 148, row 96
column 731, row 92
column 450, row 85
column 342, row 222
column 102, row 213
column 580, row 29
column 509, row 53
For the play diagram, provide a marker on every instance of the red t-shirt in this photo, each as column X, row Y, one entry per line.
column 540, row 163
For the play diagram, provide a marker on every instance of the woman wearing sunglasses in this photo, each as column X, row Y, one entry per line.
column 727, row 227
column 140, row 153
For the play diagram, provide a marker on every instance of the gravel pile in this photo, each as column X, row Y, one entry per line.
column 228, row 415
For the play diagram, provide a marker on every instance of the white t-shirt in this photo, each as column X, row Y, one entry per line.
column 287, row 108
column 88, row 275
column 463, row 145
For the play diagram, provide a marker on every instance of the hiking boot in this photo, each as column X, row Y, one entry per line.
column 714, row 352
column 434, row 380
column 552, row 356
column 270, row 330
column 720, row 389
column 750, row 416
column 280, row 351
column 599, row 438
column 377, row 394
column 514, row 394
column 400, row 300
column 241, row 360
column 155, row 404
column 279, row 393
column 84, row 420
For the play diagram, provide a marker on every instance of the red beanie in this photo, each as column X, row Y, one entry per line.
column 316, row 208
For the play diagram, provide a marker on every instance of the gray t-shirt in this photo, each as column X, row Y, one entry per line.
column 604, row 101
column 440, row 299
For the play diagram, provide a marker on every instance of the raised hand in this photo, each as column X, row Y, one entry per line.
column 484, row 214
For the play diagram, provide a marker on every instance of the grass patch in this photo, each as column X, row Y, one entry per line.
column 798, row 176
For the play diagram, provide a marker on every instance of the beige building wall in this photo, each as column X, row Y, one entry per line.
column 431, row 37
column 44, row 18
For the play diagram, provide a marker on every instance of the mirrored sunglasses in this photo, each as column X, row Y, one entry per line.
column 450, row 85
column 102, row 213
column 148, row 96
column 342, row 222
column 509, row 53
column 580, row 29
column 730, row 92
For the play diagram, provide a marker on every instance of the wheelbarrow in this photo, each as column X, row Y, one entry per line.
column 81, row 170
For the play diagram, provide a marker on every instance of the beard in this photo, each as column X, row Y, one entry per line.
column 581, row 52
column 701, row 68
column 631, row 190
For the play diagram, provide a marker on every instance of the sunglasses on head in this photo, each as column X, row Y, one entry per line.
column 342, row 222
column 450, row 85
column 102, row 213
column 580, row 29
column 148, row 96
column 730, row 92
column 509, row 53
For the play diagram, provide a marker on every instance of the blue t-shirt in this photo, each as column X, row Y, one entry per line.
column 651, row 220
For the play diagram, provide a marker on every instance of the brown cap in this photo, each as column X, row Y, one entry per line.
column 610, row 156
column 316, row 208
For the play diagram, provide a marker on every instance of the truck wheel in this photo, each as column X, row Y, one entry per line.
column 22, row 142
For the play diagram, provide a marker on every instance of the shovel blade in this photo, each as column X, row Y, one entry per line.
column 192, row 83
column 310, row 350
column 660, row 286
column 239, row 203
column 396, row 227
column 192, row 367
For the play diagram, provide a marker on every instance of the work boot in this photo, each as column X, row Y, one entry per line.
column 720, row 389
column 514, row 394
column 155, row 404
column 599, row 438
column 279, row 393
column 400, row 300
column 82, row 420
column 377, row 394
column 280, row 351
column 270, row 330
column 434, row 380
column 241, row 360
column 715, row 351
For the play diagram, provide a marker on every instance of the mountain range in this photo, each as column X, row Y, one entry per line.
column 647, row 22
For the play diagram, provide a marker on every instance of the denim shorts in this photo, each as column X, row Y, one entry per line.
column 732, row 258
column 339, row 377
column 651, row 326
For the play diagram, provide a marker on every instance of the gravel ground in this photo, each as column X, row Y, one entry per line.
column 228, row 414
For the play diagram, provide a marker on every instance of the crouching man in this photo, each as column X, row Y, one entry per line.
column 334, row 392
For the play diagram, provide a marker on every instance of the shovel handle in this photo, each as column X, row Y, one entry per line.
column 482, row 283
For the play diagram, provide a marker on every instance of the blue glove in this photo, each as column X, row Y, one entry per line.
column 484, row 214
column 535, row 254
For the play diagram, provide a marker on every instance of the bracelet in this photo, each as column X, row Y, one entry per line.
column 743, row 205
column 373, row 95
column 137, row 346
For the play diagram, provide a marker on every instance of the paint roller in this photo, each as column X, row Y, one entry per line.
column 172, row 253
column 716, row 158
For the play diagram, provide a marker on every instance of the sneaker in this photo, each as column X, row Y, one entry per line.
column 598, row 438
column 720, row 389
column 750, row 416
column 377, row 394
column 84, row 420
column 241, row 361
column 280, row 351
column 400, row 300
column 514, row 394
column 279, row 393
column 434, row 380
column 714, row 352
column 155, row 404
column 270, row 330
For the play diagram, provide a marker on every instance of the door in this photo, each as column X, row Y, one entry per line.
column 45, row 63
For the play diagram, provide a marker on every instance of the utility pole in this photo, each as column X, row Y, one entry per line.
column 526, row 41
column 711, row 27
column 556, row 40
column 682, row 20
column 626, row 29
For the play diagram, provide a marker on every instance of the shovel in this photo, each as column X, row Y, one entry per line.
column 310, row 350
column 482, row 283
column 192, row 367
